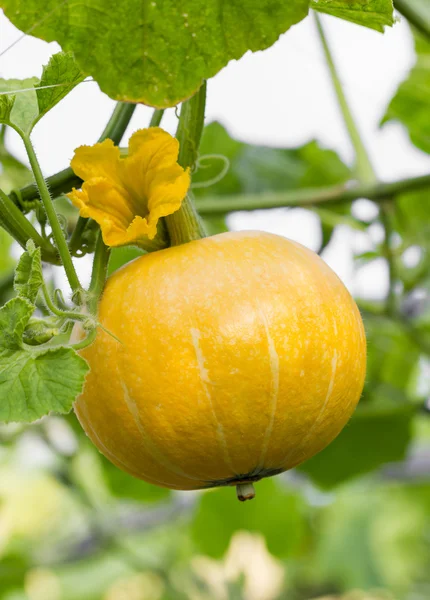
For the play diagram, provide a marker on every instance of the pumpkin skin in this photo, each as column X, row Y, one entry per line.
column 241, row 356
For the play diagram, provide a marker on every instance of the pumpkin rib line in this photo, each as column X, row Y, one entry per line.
column 274, row 387
column 325, row 403
column 112, row 456
column 150, row 444
column 195, row 337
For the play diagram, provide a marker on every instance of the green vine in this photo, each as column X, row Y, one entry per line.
column 54, row 222
column 364, row 168
column 185, row 224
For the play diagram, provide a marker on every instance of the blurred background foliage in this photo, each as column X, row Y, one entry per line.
column 350, row 524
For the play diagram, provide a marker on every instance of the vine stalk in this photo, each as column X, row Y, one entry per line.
column 311, row 197
column 185, row 224
column 157, row 115
column 57, row 232
column 364, row 168
column 99, row 273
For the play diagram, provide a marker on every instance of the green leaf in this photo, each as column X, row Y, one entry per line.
column 277, row 513
column 375, row 14
column 373, row 437
column 157, row 52
column 371, row 536
column 410, row 105
column 392, row 355
column 344, row 549
column 23, row 109
column 34, row 382
column 14, row 316
column 28, row 274
column 62, row 72
column 18, row 109
column 258, row 169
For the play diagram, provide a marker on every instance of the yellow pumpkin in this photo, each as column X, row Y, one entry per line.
column 239, row 356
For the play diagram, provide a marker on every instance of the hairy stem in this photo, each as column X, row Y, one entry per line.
column 87, row 341
column 75, row 316
column 185, row 224
column 57, row 232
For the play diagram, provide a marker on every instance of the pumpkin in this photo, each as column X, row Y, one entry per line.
column 233, row 358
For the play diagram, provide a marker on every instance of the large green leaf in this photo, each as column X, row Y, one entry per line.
column 374, row 436
column 277, row 513
column 411, row 104
column 59, row 77
column 24, row 102
column 375, row 14
column 34, row 382
column 156, row 52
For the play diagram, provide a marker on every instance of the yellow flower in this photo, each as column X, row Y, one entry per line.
column 127, row 196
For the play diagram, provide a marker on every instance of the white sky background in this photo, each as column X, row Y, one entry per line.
column 279, row 97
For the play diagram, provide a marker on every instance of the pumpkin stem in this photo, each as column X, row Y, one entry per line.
column 185, row 225
column 245, row 491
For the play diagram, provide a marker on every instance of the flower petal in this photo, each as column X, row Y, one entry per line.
column 104, row 203
column 151, row 151
column 166, row 193
column 100, row 160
